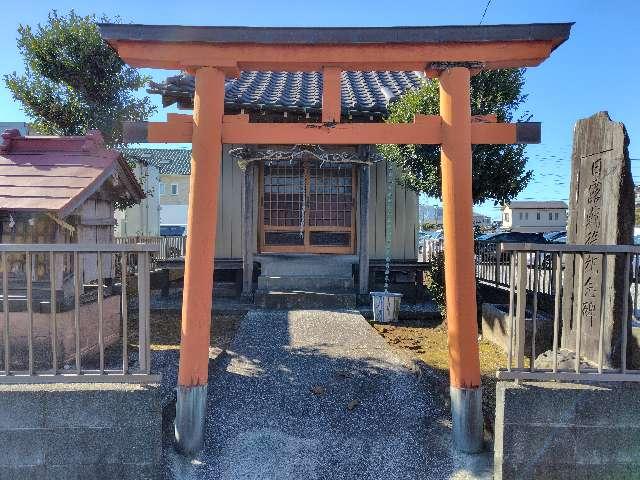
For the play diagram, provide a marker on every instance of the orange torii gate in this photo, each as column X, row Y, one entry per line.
column 451, row 54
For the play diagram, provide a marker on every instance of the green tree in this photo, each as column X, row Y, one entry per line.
column 499, row 171
column 428, row 226
column 74, row 82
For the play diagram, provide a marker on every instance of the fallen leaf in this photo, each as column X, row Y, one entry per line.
column 353, row 404
column 318, row 390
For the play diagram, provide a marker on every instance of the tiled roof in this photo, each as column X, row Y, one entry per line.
column 363, row 93
column 169, row 161
column 58, row 174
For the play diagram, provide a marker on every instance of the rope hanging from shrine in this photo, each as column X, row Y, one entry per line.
column 389, row 221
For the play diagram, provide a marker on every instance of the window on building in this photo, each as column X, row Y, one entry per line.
column 556, row 215
column 551, row 216
column 521, row 215
column 174, row 189
column 526, row 216
column 506, row 217
column 162, row 188
column 537, row 215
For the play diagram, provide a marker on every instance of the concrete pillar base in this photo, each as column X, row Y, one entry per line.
column 191, row 416
column 468, row 423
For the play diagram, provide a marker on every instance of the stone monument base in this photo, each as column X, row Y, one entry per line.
column 80, row 431
column 567, row 431
column 496, row 325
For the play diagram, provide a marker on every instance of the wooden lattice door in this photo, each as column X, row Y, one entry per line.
column 307, row 206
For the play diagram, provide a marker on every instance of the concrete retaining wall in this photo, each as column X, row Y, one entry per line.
column 567, row 431
column 495, row 328
column 81, row 431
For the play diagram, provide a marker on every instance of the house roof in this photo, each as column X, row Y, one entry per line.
column 22, row 127
column 168, row 161
column 363, row 93
column 57, row 174
column 539, row 205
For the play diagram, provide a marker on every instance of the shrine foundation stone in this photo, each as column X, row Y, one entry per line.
column 567, row 431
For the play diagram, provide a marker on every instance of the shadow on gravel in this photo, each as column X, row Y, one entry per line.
column 315, row 395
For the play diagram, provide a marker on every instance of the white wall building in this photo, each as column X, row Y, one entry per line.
column 173, row 215
column 143, row 218
column 531, row 216
column 480, row 220
column 174, row 166
column 430, row 214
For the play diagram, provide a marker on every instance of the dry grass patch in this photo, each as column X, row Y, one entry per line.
column 165, row 329
column 427, row 342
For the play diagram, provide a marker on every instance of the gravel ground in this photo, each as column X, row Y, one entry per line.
column 318, row 394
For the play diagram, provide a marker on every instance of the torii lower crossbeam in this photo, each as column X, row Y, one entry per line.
column 425, row 130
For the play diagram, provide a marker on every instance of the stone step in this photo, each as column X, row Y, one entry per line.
column 313, row 283
column 275, row 300
column 282, row 265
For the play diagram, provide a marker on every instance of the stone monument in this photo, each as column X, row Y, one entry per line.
column 601, row 211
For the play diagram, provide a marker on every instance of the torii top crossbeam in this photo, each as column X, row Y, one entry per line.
column 451, row 53
column 351, row 48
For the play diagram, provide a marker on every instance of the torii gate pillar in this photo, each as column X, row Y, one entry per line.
column 464, row 359
column 191, row 405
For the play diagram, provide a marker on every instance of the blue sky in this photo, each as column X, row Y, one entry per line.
column 597, row 69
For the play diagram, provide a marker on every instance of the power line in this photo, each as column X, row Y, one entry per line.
column 485, row 12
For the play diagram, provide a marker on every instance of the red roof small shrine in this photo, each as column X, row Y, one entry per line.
column 57, row 174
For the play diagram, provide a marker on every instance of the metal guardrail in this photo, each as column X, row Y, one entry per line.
column 76, row 252
column 520, row 265
column 169, row 246
column 493, row 267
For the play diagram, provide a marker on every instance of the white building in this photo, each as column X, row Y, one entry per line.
column 430, row 214
column 143, row 218
column 482, row 221
column 174, row 167
column 535, row 216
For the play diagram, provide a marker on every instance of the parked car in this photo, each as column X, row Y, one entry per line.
column 435, row 235
column 173, row 230
column 553, row 236
column 512, row 237
column 486, row 246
